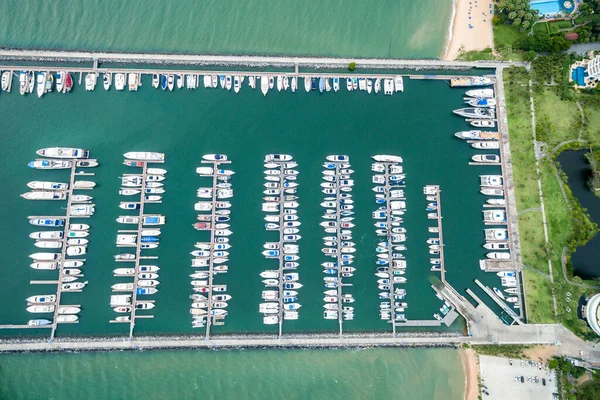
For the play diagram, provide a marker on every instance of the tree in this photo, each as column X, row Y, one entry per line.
column 352, row 66
column 589, row 390
column 517, row 10
column 526, row 24
column 529, row 56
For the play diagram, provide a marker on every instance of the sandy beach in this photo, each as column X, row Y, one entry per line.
column 471, row 27
column 470, row 362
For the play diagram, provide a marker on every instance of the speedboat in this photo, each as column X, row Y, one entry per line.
column 170, row 82
column 398, row 84
column 179, row 81
column 155, row 80
column 60, row 82
column 228, row 82
column 377, row 85
column 6, row 78
column 321, row 84
column 349, row 84
column 489, row 103
column 163, row 82
column 264, row 85
column 336, row 84
column 294, row 84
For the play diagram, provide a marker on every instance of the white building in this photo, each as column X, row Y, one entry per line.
column 592, row 313
column 593, row 69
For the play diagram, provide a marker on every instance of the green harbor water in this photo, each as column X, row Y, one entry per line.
column 417, row 125
column 354, row 28
column 418, row 374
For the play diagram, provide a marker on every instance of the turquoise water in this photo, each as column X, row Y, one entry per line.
column 418, row 374
column 354, row 28
column 546, row 7
column 417, row 125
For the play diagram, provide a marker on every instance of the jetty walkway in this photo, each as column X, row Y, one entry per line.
column 249, row 60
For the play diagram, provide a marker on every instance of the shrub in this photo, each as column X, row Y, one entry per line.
column 352, row 66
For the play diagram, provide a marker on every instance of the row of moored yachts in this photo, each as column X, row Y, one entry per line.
column 209, row 299
column 62, row 82
column 482, row 114
column 147, row 185
column 389, row 178
column 338, row 211
column 70, row 241
column 280, row 297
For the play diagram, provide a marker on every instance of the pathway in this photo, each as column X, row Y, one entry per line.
column 529, row 210
column 563, row 259
column 538, row 272
column 541, row 195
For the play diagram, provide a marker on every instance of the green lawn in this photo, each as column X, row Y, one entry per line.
column 559, row 119
column 541, row 27
column 560, row 116
column 507, row 34
column 533, row 243
column 539, row 298
column 555, row 26
column 475, row 55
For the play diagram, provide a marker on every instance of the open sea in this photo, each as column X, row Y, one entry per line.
column 418, row 374
column 384, row 28
column 417, row 125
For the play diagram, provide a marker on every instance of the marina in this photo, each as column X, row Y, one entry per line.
column 245, row 316
column 144, row 276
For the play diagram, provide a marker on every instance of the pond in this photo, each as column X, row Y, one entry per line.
column 577, row 168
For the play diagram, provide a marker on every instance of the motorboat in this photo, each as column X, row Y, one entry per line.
column 498, row 256
column 475, row 112
column 144, row 156
column 482, row 123
column 471, row 81
column 41, row 84
column 49, row 164
column 180, row 80
column 486, row 158
column 480, row 93
column 228, row 82
column 73, row 286
column 170, row 82
column 486, row 145
column 491, row 181
column 377, row 86
column 483, row 102
column 236, row 83
column 107, row 80
column 90, row 81
column 42, row 195
column 477, row 135
column 120, row 81
column 398, row 84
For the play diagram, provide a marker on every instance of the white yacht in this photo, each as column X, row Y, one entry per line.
column 144, row 155
column 236, row 84
column 90, row 81
column 264, row 85
column 399, row 84
column 41, row 84
column 107, row 80
column 119, row 81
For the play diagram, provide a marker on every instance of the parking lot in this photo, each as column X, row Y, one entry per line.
column 523, row 380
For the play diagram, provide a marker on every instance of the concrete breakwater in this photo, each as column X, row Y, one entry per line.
column 241, row 60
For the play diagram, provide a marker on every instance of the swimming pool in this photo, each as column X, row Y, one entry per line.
column 552, row 7
column 546, row 7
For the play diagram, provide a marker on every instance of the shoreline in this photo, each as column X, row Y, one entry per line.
column 470, row 27
column 450, row 34
column 470, row 362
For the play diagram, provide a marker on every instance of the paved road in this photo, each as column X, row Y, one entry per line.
column 243, row 59
column 583, row 47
